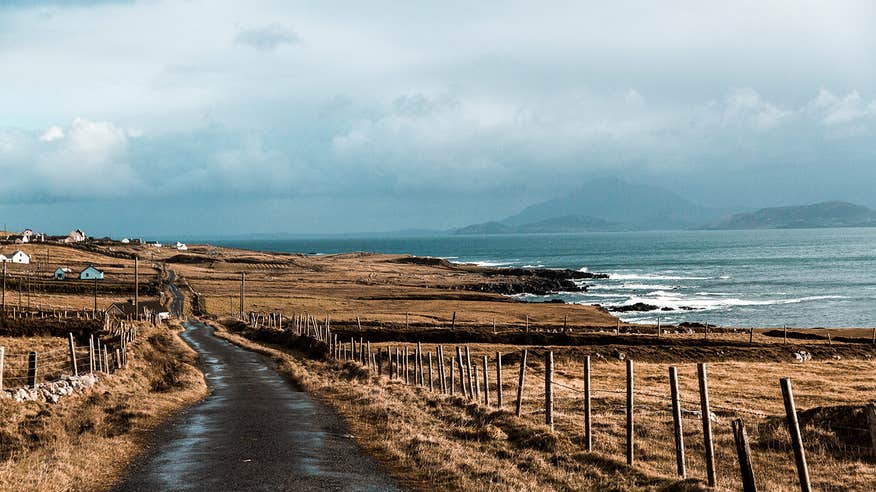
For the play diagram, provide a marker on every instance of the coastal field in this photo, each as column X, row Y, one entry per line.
column 427, row 438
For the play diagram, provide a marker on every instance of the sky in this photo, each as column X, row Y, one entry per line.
column 224, row 117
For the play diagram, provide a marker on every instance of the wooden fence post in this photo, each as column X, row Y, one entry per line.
column 520, row 383
column 2, row 360
column 707, row 423
column 105, row 360
column 870, row 409
column 452, row 380
column 91, row 354
column 32, row 369
column 417, row 364
column 744, row 452
column 796, row 438
column 499, row 380
column 677, row 422
column 588, row 423
column 98, row 361
column 549, row 390
column 486, row 384
column 750, row 335
column 406, row 362
column 461, row 371
column 431, row 379
column 471, row 378
column 118, row 360
column 441, row 373
column 477, row 385
column 73, row 356
column 785, row 334
column 630, row 422
column 420, row 363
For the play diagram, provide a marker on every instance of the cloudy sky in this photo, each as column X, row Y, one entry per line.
column 225, row 117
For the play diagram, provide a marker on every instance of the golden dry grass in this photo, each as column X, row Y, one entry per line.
column 85, row 441
column 433, row 440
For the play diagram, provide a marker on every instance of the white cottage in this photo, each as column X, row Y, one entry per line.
column 20, row 257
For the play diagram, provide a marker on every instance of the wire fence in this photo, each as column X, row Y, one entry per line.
column 636, row 420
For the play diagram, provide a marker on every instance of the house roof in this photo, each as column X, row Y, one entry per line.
column 93, row 268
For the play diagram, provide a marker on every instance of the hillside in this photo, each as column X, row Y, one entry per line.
column 604, row 204
column 825, row 214
column 568, row 223
column 631, row 205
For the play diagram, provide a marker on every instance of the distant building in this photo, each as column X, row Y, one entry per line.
column 3, row 259
column 181, row 246
column 61, row 273
column 28, row 233
column 90, row 273
column 76, row 236
column 20, row 257
column 157, row 244
column 126, row 309
column 126, row 241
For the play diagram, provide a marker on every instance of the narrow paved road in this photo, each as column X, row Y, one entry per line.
column 178, row 299
column 254, row 432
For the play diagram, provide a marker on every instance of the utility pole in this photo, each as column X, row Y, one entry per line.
column 137, row 287
column 94, row 309
column 242, row 291
column 4, row 289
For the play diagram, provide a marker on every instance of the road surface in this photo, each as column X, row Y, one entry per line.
column 254, row 432
column 176, row 307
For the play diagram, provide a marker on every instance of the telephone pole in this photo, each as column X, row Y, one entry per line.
column 136, row 287
column 242, row 291
column 4, row 289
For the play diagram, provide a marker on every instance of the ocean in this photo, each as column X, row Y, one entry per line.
column 764, row 278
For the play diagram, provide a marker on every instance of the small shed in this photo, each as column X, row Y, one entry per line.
column 61, row 273
column 91, row 273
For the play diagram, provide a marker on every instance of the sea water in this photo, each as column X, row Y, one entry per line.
column 763, row 278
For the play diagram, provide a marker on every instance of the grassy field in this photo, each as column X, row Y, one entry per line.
column 433, row 440
column 85, row 441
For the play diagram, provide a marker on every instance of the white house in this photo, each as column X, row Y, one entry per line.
column 20, row 257
column 126, row 241
column 3, row 259
column 90, row 273
column 181, row 246
column 76, row 236
column 157, row 244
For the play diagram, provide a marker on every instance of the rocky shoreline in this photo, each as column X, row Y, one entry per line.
column 536, row 281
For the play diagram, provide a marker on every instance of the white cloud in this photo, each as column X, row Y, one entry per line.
column 53, row 133
column 86, row 160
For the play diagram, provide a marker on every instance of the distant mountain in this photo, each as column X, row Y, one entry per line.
column 627, row 205
column 486, row 228
column 826, row 214
column 568, row 223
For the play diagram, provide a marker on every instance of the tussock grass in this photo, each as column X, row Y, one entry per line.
column 436, row 441
column 85, row 441
column 433, row 441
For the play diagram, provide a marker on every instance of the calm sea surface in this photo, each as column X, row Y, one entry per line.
column 813, row 277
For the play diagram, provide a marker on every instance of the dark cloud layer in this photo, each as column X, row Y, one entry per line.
column 332, row 118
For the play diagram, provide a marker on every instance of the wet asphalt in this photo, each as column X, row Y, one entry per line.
column 254, row 431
